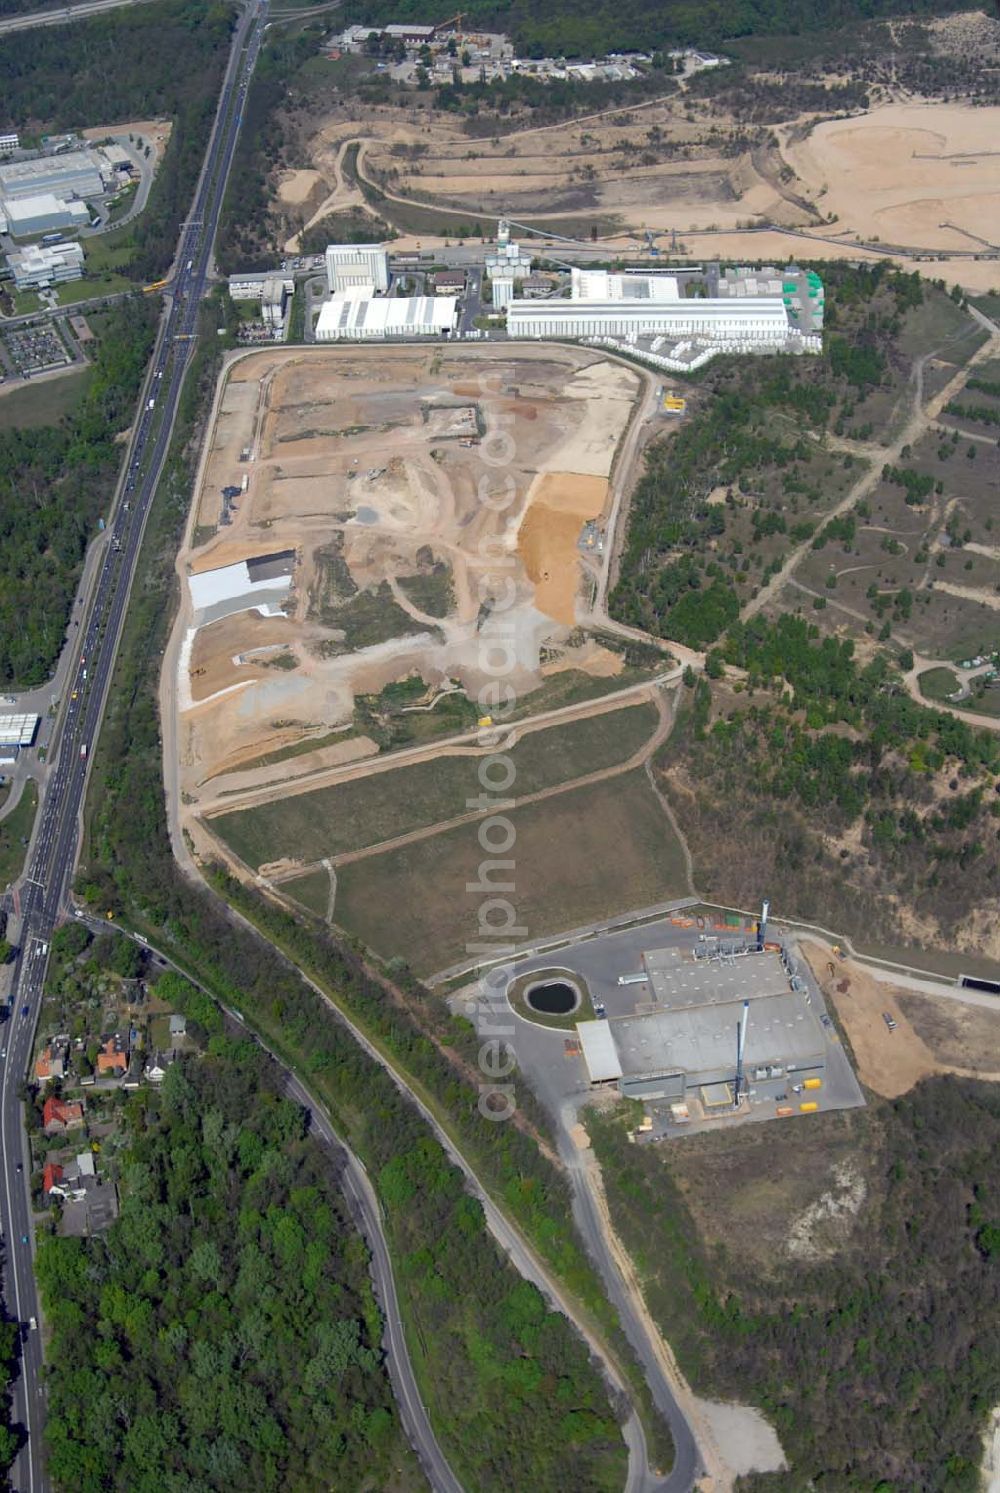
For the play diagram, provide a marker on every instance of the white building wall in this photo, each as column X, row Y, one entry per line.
column 371, row 256
column 717, row 321
column 503, row 291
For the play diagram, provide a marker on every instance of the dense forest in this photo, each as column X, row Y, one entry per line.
column 222, row 1333
column 593, row 27
column 54, row 483
column 158, row 61
column 510, row 1387
column 879, row 1364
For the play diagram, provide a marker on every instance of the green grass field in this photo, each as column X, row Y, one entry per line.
column 45, row 402
column 580, row 857
column 937, row 684
column 369, row 810
column 313, row 891
column 15, row 828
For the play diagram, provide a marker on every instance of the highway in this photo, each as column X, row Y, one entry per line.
column 59, row 15
column 52, row 855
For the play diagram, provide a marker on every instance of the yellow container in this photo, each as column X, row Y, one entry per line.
column 813, row 1083
column 809, row 1107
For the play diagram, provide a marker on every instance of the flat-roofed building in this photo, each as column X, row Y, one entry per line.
column 18, row 730
column 42, row 265
column 629, row 285
column 757, row 322
column 364, row 317
column 369, row 262
column 686, row 1042
column 74, row 173
column 44, row 214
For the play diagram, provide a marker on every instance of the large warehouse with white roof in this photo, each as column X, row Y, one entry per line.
column 362, row 317
column 762, row 320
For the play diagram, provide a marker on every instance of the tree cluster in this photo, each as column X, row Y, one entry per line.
column 54, row 482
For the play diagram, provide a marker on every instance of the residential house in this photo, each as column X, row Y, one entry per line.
column 111, row 1060
column 50, row 1064
column 59, row 1116
column 156, row 1068
column 51, row 1176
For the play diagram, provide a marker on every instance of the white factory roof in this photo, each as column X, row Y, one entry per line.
column 231, row 583
column 18, row 730
column 348, row 315
column 633, row 285
column 42, row 206
column 599, row 1051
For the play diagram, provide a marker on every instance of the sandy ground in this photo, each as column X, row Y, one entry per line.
column 751, row 1445
column 932, row 1034
column 902, row 172
column 298, row 186
column 558, row 504
column 661, row 167
column 373, row 464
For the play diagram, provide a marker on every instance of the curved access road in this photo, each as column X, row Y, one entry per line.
column 642, row 1477
column 363, row 1203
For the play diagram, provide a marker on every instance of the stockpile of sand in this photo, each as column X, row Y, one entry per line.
column 559, row 504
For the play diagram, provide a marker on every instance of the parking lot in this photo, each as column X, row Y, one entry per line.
column 30, row 350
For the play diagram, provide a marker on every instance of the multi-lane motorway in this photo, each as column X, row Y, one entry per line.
column 53, row 852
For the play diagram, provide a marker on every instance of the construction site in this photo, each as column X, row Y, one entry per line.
column 358, row 519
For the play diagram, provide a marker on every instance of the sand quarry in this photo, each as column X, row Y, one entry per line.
column 427, row 508
column 918, row 176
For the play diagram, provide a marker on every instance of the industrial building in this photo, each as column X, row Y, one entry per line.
column 502, row 287
column 449, row 282
column 362, row 317
column 46, row 213
column 603, row 285
column 733, row 325
column 508, row 259
column 75, row 173
column 357, row 267
column 250, row 287
column 45, row 264
column 711, row 1028
column 16, row 731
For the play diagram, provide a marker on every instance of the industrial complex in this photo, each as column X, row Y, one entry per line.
column 676, row 319
column 703, row 1022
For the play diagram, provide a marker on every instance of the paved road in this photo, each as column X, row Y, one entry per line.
column 53, row 852
column 60, row 15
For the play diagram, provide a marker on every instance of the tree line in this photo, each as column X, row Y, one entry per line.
column 159, row 61
column 54, row 482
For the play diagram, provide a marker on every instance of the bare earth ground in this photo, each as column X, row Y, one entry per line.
column 932, row 1034
column 372, row 465
column 683, row 166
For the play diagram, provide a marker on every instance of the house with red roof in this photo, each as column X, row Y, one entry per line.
column 59, row 1116
column 51, row 1176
